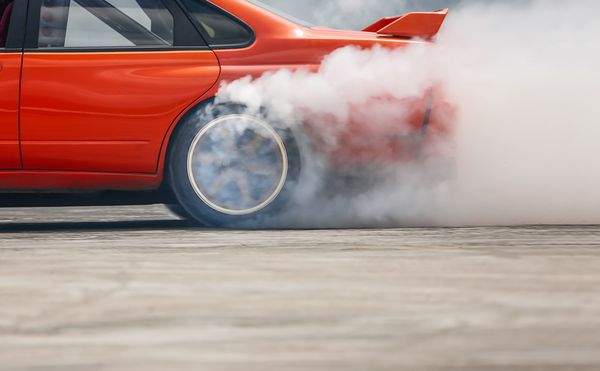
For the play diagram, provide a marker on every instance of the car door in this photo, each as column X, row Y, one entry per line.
column 104, row 79
column 12, row 19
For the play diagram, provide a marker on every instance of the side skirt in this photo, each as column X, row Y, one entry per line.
column 59, row 188
column 106, row 198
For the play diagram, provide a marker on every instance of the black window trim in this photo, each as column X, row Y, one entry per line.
column 186, row 36
column 16, row 30
column 227, row 14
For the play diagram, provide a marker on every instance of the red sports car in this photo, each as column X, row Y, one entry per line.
column 115, row 97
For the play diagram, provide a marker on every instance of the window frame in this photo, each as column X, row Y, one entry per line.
column 185, row 37
column 115, row 18
column 226, row 14
column 16, row 29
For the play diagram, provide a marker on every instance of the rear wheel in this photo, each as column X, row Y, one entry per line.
column 227, row 167
column 178, row 211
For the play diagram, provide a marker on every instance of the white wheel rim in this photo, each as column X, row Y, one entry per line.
column 237, row 164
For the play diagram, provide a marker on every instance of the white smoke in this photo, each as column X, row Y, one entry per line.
column 525, row 80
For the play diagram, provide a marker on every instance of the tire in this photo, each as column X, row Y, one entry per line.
column 227, row 168
column 179, row 211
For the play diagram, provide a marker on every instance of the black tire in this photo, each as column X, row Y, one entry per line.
column 179, row 211
column 184, row 180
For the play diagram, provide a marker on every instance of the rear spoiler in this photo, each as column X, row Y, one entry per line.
column 418, row 25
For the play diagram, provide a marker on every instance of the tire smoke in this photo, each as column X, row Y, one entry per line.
column 524, row 77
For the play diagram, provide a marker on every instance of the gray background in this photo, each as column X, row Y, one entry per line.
column 354, row 13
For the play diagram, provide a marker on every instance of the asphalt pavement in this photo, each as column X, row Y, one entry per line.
column 133, row 288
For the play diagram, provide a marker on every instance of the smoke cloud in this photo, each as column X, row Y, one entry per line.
column 524, row 78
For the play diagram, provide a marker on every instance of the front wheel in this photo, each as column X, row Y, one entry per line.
column 227, row 167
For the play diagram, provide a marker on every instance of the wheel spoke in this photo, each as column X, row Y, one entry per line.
column 243, row 186
column 220, row 182
column 255, row 143
column 229, row 140
column 210, row 158
column 237, row 164
column 263, row 171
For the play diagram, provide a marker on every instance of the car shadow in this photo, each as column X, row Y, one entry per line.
column 68, row 226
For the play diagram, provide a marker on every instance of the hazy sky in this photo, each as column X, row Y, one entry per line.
column 355, row 13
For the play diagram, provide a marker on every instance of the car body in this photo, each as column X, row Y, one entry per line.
column 81, row 112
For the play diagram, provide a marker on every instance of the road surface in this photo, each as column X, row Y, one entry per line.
column 131, row 288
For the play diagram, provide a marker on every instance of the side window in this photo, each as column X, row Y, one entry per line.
column 218, row 28
column 105, row 23
column 5, row 13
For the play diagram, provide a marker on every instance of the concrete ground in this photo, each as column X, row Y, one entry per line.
column 134, row 289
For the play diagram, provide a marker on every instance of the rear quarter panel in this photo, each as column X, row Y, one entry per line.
column 106, row 111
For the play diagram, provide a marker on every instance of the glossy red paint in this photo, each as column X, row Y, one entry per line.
column 103, row 120
column 424, row 25
column 10, row 69
column 106, row 111
column 27, row 180
column 392, row 135
column 283, row 44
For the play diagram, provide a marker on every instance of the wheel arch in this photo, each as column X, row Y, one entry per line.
column 166, row 145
